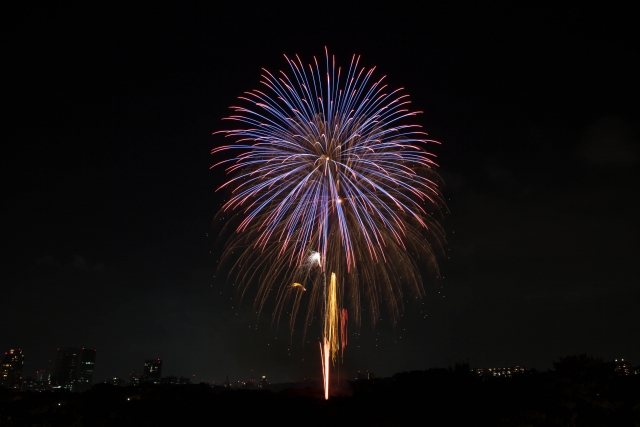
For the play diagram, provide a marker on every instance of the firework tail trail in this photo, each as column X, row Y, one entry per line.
column 334, row 339
column 331, row 321
column 330, row 340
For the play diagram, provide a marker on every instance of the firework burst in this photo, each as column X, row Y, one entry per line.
column 332, row 180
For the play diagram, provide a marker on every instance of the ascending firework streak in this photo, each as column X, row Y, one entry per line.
column 330, row 344
column 330, row 179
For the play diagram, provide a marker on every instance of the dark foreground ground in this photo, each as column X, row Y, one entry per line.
column 578, row 396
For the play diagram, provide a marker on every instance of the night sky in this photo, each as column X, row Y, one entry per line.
column 109, row 200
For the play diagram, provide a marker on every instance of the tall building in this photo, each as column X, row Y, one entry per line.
column 134, row 379
column 43, row 380
column 43, row 375
column 152, row 371
column 74, row 368
column 85, row 370
column 11, row 374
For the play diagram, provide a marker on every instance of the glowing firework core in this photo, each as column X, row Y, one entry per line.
column 315, row 257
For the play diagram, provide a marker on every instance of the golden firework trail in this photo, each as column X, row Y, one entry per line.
column 335, row 331
column 331, row 318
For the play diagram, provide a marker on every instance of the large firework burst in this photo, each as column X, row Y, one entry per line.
column 331, row 176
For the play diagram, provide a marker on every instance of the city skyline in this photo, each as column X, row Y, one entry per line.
column 73, row 370
column 67, row 373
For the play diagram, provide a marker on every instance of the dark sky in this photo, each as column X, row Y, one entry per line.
column 109, row 200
